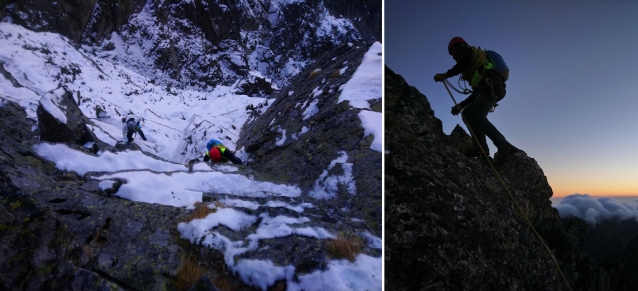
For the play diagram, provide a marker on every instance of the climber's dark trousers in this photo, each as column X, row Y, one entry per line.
column 476, row 115
column 129, row 135
column 232, row 158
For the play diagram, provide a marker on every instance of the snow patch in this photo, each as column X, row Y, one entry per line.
column 311, row 110
column 366, row 82
column 240, row 203
column 304, row 130
column 67, row 159
column 372, row 124
column 106, row 184
column 282, row 140
column 363, row 274
column 263, row 273
column 327, row 186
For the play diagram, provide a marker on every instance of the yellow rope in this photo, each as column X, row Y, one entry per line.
column 510, row 194
column 478, row 60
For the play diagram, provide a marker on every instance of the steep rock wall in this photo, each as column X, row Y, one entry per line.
column 75, row 19
column 450, row 224
column 290, row 148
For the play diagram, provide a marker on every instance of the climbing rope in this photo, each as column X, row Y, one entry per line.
column 465, row 89
column 520, row 210
column 479, row 60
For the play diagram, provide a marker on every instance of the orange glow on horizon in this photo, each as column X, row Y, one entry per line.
column 595, row 192
column 607, row 185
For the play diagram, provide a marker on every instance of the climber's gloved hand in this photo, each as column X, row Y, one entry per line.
column 439, row 77
column 456, row 109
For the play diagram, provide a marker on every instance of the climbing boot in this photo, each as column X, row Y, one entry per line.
column 476, row 151
column 501, row 156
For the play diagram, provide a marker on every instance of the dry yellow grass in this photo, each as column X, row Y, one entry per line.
column 188, row 273
column 201, row 211
column 219, row 204
column 224, row 284
column 336, row 73
column 314, row 73
column 344, row 247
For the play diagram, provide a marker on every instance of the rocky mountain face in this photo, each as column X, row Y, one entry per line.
column 365, row 14
column 204, row 43
column 290, row 148
column 614, row 244
column 450, row 225
column 70, row 18
column 61, row 231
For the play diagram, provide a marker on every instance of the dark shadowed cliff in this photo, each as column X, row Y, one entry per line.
column 450, row 224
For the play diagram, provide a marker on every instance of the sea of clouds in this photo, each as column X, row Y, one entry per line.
column 596, row 209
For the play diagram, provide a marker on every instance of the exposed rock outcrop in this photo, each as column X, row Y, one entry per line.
column 290, row 148
column 256, row 85
column 61, row 120
column 450, row 224
column 365, row 14
column 74, row 19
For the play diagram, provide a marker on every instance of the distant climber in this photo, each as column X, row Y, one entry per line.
column 131, row 126
column 100, row 113
column 217, row 152
column 488, row 87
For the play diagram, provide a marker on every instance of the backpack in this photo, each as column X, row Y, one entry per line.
column 131, row 126
column 499, row 64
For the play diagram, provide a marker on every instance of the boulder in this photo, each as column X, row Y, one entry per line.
column 61, row 120
column 255, row 85
column 100, row 112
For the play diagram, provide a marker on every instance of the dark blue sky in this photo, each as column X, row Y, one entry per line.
column 572, row 94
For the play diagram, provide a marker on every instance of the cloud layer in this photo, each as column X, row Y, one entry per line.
column 594, row 210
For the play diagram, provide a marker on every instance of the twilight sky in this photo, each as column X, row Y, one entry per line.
column 572, row 95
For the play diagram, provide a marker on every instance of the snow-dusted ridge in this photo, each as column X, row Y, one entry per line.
column 165, row 52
